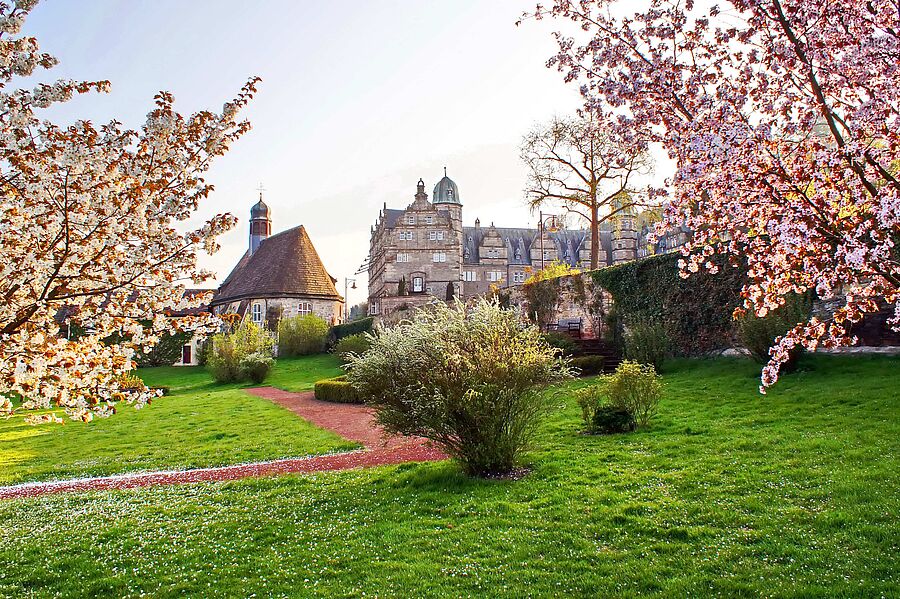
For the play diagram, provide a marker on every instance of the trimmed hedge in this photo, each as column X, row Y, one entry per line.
column 354, row 327
column 336, row 390
column 696, row 312
column 588, row 365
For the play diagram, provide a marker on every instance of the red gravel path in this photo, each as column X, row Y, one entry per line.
column 350, row 421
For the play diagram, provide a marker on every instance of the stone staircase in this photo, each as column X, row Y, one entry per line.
column 612, row 357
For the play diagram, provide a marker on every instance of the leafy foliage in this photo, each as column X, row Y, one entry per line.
column 336, row 390
column 647, row 343
column 356, row 344
column 167, row 350
column 564, row 343
column 554, row 270
column 226, row 361
column 636, row 388
column 696, row 312
column 620, row 401
column 588, row 365
column 302, row 335
column 256, row 366
column 471, row 380
column 758, row 333
column 354, row 327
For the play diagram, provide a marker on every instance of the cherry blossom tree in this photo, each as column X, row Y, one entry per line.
column 582, row 165
column 782, row 119
column 93, row 234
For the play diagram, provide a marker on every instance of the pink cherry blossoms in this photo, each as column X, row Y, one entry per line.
column 782, row 118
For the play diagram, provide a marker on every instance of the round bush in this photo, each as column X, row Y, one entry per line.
column 470, row 379
column 355, row 344
column 302, row 335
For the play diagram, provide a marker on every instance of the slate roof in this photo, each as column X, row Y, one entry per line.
column 284, row 265
column 521, row 239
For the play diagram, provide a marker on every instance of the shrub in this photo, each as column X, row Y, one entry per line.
column 255, row 367
column 609, row 420
column 599, row 416
column 588, row 365
column 470, row 379
column 354, row 327
column 337, row 390
column 356, row 344
column 131, row 382
column 635, row 388
column 647, row 343
column 758, row 334
column 302, row 335
column 562, row 342
column 228, row 349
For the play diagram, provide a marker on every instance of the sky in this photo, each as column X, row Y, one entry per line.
column 357, row 101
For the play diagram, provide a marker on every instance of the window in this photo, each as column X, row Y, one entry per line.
column 518, row 277
column 406, row 236
column 495, row 276
column 410, row 219
column 492, row 253
column 256, row 315
column 469, row 275
column 439, row 257
column 418, row 284
column 403, row 257
column 304, row 308
column 436, row 235
column 373, row 308
column 428, row 220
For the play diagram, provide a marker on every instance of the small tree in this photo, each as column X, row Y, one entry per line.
column 471, row 380
column 302, row 335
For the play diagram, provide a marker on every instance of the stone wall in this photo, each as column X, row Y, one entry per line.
column 566, row 298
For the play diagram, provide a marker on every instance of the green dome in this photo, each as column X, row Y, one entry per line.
column 446, row 191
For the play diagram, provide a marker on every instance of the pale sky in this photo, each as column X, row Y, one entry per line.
column 358, row 100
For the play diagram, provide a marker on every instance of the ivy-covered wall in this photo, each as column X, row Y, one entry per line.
column 696, row 312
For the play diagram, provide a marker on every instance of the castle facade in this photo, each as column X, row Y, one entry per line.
column 423, row 253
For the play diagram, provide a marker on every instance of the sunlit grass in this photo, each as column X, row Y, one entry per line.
column 729, row 494
column 200, row 424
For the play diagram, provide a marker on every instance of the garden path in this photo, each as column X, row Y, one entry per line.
column 353, row 422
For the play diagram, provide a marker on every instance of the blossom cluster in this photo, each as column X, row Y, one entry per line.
column 93, row 234
column 782, row 119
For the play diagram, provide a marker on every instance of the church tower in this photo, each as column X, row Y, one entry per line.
column 260, row 224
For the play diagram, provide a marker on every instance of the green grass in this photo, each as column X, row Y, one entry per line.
column 200, row 424
column 729, row 494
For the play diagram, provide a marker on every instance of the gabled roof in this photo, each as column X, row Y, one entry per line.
column 284, row 265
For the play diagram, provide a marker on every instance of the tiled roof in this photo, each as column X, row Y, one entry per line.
column 284, row 265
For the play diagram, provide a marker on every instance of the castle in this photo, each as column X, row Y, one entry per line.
column 423, row 252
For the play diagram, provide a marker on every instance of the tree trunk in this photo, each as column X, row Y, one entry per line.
column 595, row 238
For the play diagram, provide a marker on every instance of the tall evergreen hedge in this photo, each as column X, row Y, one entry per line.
column 696, row 312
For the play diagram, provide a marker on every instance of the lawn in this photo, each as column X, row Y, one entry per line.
column 729, row 494
column 200, row 424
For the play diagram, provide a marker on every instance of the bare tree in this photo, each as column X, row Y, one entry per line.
column 584, row 167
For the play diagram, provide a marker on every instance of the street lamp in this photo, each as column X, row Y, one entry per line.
column 347, row 281
column 549, row 222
